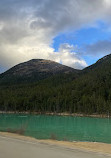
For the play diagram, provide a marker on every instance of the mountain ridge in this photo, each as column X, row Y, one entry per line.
column 39, row 69
column 86, row 92
column 34, row 70
column 98, row 62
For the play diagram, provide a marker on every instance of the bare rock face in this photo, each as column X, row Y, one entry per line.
column 39, row 66
column 35, row 69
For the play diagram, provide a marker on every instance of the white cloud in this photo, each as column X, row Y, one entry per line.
column 27, row 28
column 68, row 56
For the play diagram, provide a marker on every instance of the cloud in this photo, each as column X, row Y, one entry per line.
column 102, row 47
column 67, row 56
column 28, row 27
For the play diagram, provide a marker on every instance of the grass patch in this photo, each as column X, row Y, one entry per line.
column 53, row 136
column 20, row 131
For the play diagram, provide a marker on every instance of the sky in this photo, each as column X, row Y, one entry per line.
column 75, row 33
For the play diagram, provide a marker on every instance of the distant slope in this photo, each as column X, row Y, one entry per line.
column 102, row 63
column 100, row 71
column 34, row 70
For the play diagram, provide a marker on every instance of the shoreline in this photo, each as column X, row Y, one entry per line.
column 101, row 148
column 57, row 114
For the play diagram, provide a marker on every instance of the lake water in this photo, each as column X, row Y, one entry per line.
column 59, row 127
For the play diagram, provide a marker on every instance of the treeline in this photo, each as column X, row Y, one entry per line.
column 90, row 93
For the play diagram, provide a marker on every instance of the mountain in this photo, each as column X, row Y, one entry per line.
column 34, row 70
column 100, row 71
column 101, row 63
column 62, row 90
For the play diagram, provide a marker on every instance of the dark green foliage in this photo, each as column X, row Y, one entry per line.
column 88, row 93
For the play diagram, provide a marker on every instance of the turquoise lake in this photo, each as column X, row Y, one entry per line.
column 59, row 127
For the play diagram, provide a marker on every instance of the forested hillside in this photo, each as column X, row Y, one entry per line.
column 88, row 93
